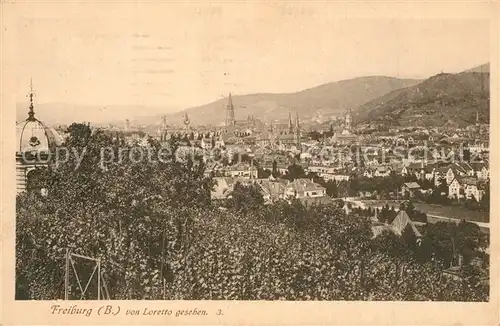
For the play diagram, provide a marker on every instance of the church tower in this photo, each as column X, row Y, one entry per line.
column 297, row 131
column 163, row 135
column 230, row 112
column 186, row 121
column 348, row 120
column 290, row 123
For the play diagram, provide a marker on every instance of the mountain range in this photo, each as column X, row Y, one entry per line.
column 318, row 102
column 324, row 100
column 482, row 68
column 451, row 99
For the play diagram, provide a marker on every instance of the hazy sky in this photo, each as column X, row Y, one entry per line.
column 189, row 56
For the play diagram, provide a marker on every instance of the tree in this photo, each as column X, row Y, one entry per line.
column 118, row 209
column 241, row 158
column 391, row 215
column 295, row 171
column 263, row 173
column 465, row 155
column 484, row 203
column 384, row 214
column 159, row 237
column 390, row 243
column 315, row 135
column 381, row 217
column 440, row 237
column 427, row 184
column 469, row 240
column 410, row 209
column 275, row 172
column 246, row 198
column 409, row 238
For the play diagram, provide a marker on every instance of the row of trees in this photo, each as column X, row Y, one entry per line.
column 160, row 237
column 388, row 214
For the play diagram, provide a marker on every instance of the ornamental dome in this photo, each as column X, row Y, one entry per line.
column 34, row 136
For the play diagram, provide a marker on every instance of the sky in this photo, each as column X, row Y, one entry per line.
column 191, row 55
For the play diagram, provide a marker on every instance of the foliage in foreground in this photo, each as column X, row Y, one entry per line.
column 159, row 237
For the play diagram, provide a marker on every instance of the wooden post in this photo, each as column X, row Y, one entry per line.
column 66, row 276
column 162, row 261
column 98, row 278
column 164, row 288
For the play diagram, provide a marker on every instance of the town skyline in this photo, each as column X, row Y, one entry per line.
column 125, row 64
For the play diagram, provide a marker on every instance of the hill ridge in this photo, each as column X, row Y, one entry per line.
column 443, row 99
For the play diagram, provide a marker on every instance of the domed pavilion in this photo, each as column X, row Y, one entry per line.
column 35, row 142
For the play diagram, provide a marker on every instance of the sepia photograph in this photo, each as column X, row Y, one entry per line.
column 226, row 157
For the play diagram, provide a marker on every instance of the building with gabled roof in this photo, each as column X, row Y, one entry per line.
column 272, row 189
column 300, row 188
column 468, row 187
column 401, row 221
column 410, row 189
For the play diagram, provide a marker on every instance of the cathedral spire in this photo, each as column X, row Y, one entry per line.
column 163, row 133
column 290, row 123
column 297, row 131
column 230, row 112
column 31, row 112
column 348, row 120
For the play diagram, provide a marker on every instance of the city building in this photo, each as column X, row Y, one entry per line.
column 410, row 189
column 300, row 188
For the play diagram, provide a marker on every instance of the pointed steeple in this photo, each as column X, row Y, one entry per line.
column 297, row 131
column 163, row 133
column 186, row 119
column 348, row 120
column 230, row 111
column 31, row 112
column 290, row 123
